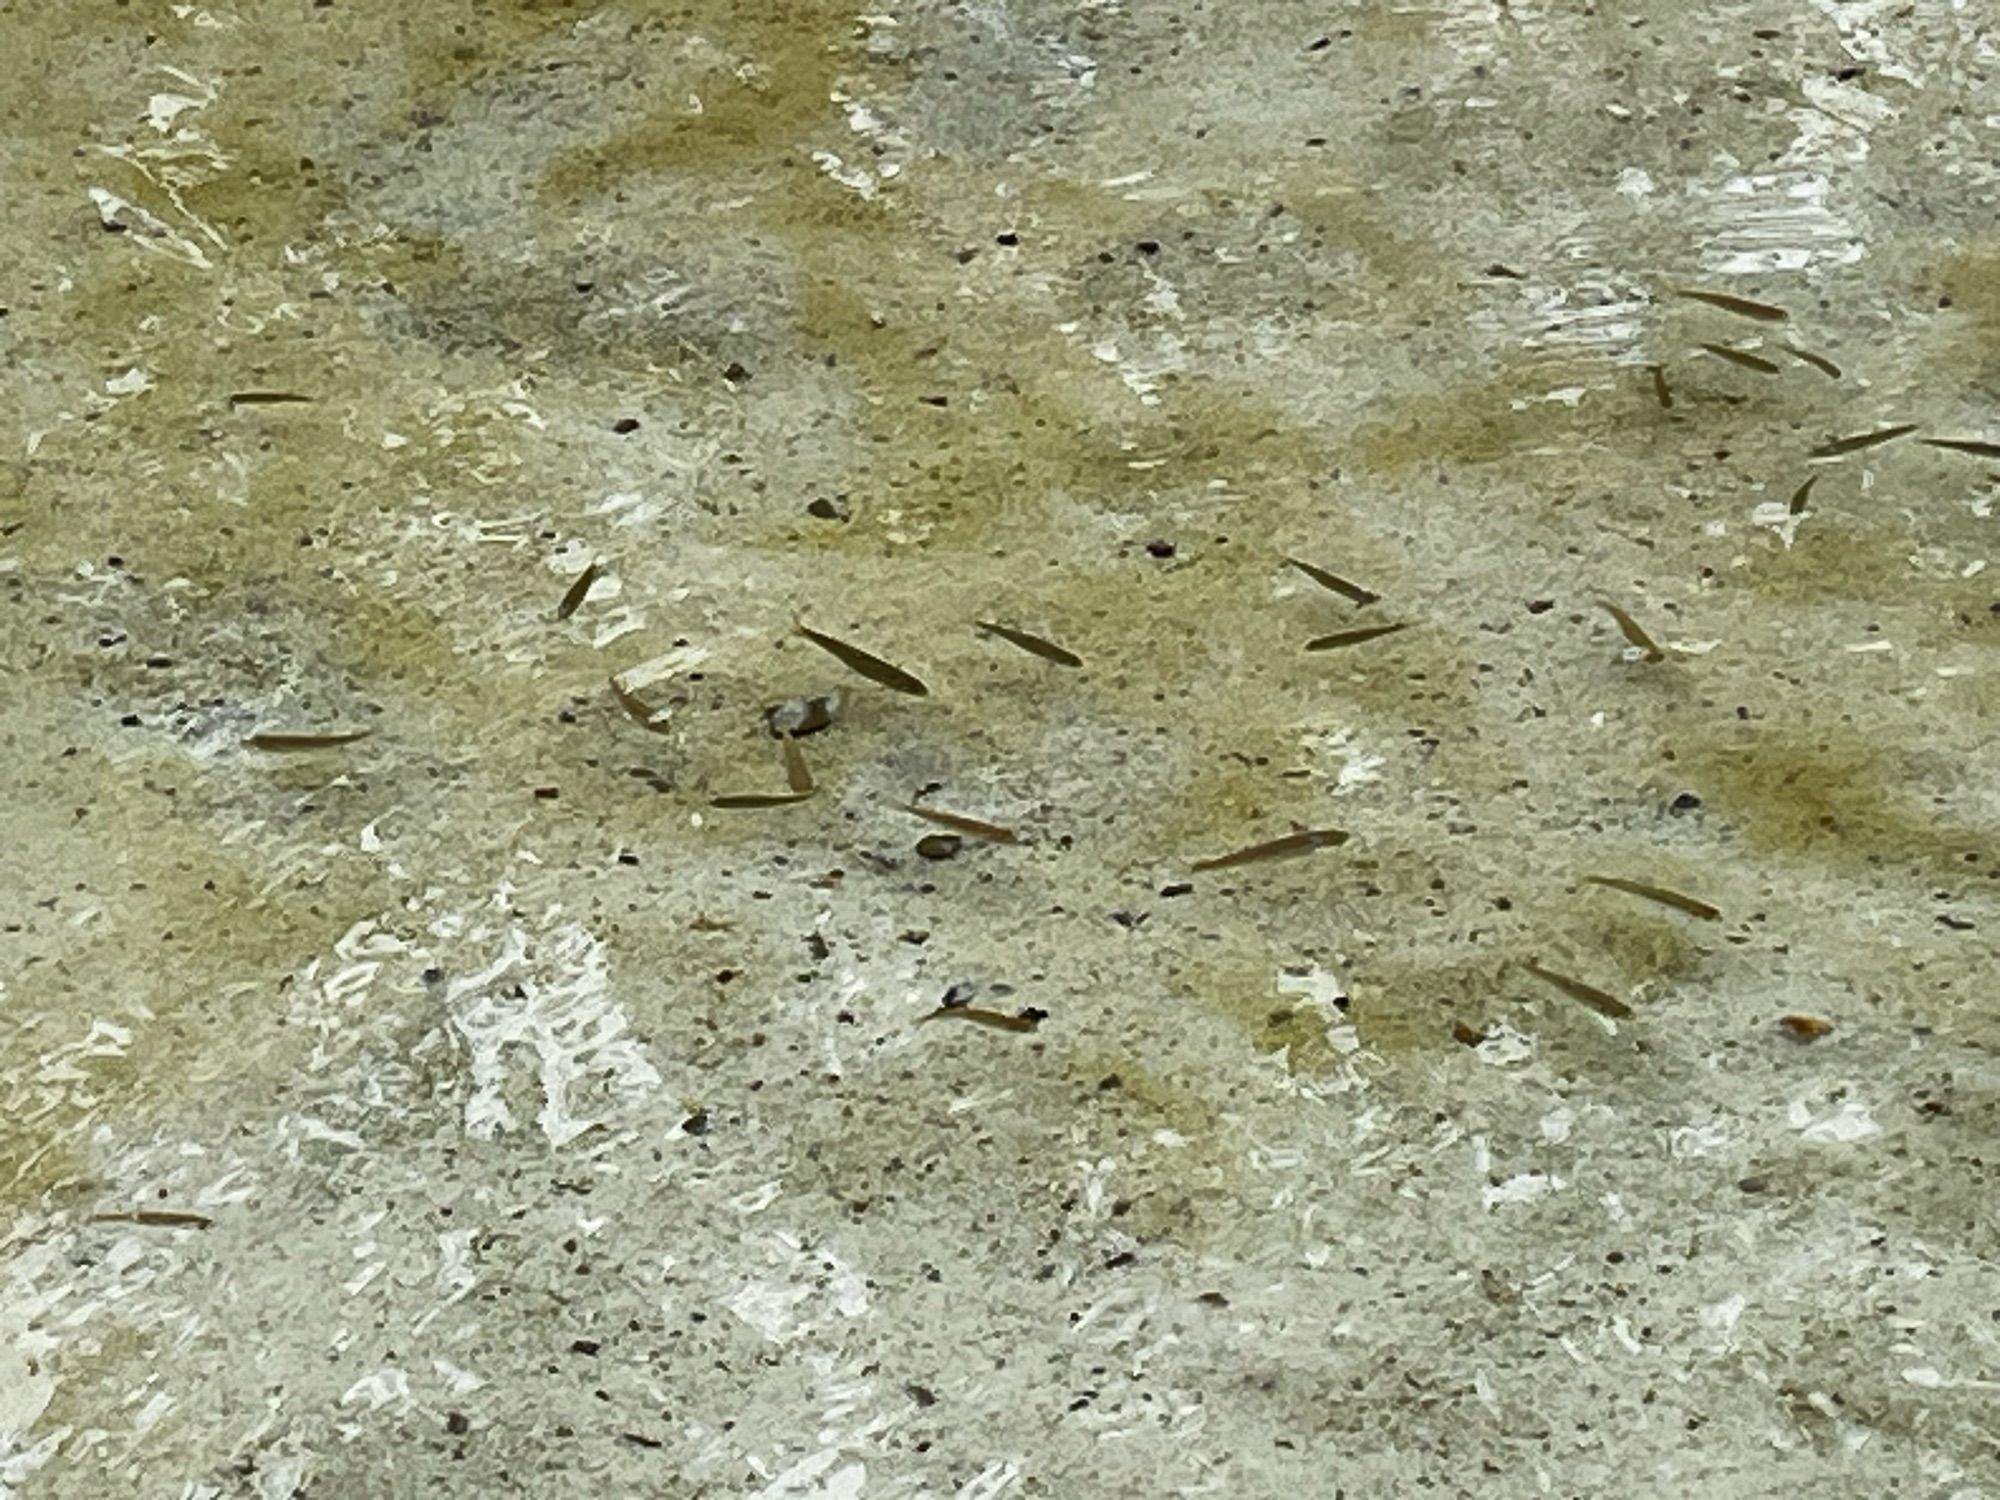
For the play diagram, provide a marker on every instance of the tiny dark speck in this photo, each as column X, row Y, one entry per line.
column 923, row 1395
column 735, row 374
column 1158, row 548
column 1148, row 247
column 547, row 793
column 1122, row 1258
column 1540, row 606
column 696, row 1123
column 1685, row 802
column 624, row 425
column 1006, row 237
column 585, row 1346
column 457, row 1423
column 1179, row 888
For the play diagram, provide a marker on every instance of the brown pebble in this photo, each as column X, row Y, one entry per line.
column 939, row 845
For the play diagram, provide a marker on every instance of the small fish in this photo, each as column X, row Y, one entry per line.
column 573, row 596
column 1033, row 644
column 1801, row 495
column 1657, row 893
column 280, row 743
column 1818, row 361
column 866, row 663
column 743, row 801
column 1661, row 393
column 1633, row 631
column 1585, row 994
column 1335, row 583
column 1744, row 358
column 157, row 1218
column 1353, row 637
column 1290, row 846
column 1862, row 440
column 977, row 827
column 1804, row 1028
column 267, row 398
column 999, row 1020
column 1977, row 447
column 636, row 707
column 1743, row 307
column 797, row 776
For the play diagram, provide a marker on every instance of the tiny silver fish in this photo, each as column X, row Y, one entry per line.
column 866, row 663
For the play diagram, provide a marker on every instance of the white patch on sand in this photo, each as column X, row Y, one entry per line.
column 804, row 1287
column 1504, row 1047
column 545, row 1001
column 1852, row 1121
column 1523, row 1187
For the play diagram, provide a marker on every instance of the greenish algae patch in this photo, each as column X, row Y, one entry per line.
column 771, row 88
column 1405, row 1003
column 1178, row 1194
column 1833, row 796
column 1970, row 276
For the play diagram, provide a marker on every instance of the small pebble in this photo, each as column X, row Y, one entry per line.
column 802, row 716
column 939, row 845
